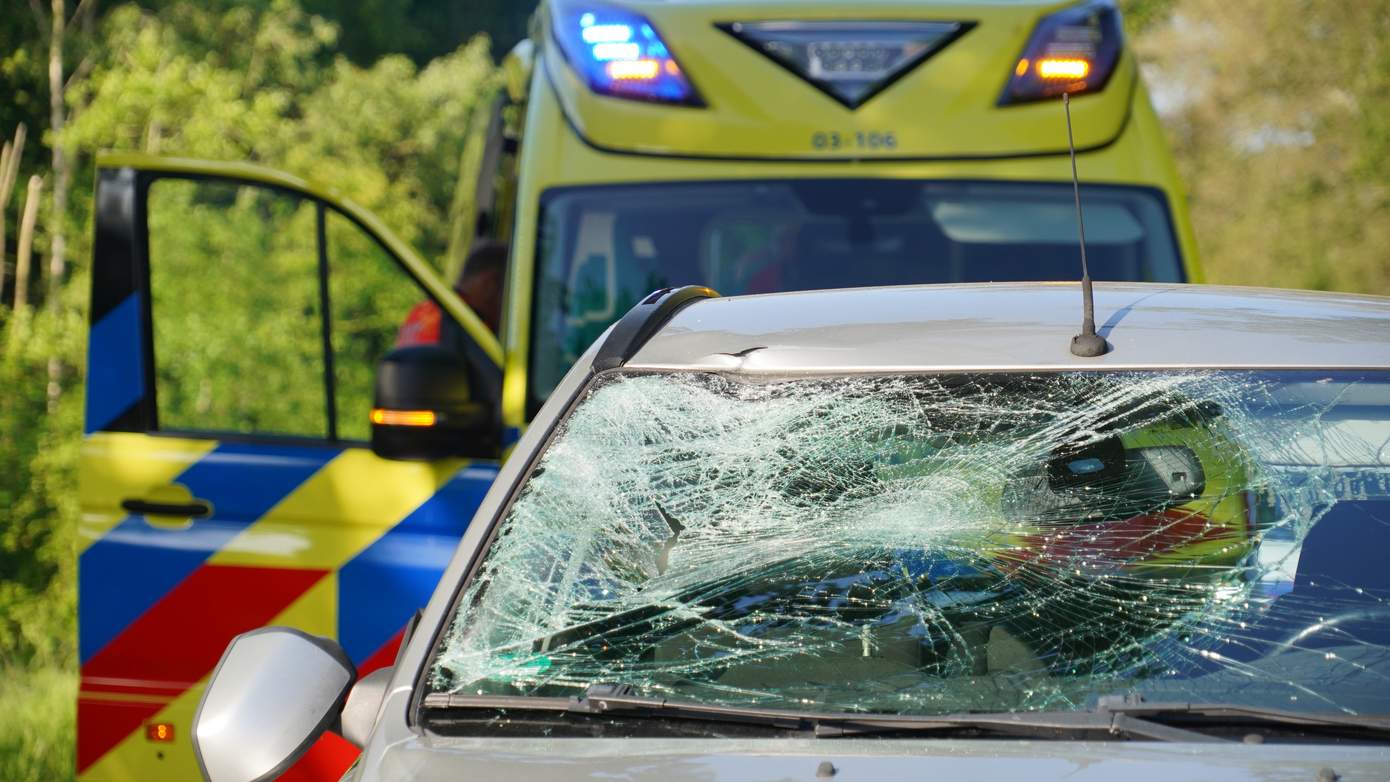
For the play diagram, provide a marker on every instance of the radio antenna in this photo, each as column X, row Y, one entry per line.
column 1087, row 344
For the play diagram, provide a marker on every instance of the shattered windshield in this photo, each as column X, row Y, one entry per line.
column 932, row 544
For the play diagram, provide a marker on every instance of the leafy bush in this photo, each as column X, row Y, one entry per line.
column 261, row 83
column 37, row 724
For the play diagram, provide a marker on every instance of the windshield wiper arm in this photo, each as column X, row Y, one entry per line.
column 1257, row 716
column 621, row 700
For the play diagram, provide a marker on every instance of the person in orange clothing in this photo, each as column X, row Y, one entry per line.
column 480, row 286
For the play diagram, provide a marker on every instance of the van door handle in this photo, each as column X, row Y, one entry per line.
column 196, row 509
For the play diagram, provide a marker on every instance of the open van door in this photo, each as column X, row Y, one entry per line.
column 237, row 319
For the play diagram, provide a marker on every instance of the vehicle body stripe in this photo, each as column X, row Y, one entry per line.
column 224, row 600
column 114, row 462
column 338, row 512
column 115, row 375
column 384, row 656
column 137, row 758
column 241, row 481
column 391, row 579
column 328, row 759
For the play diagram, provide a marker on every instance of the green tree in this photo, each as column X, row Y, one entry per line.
column 1278, row 112
column 265, row 82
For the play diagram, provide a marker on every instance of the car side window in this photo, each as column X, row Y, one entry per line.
column 236, row 309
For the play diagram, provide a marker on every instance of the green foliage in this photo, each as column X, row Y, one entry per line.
column 38, row 525
column 23, row 78
column 38, row 506
column 262, row 82
column 235, row 340
column 1140, row 15
column 264, row 87
column 422, row 29
column 37, row 723
column 1278, row 116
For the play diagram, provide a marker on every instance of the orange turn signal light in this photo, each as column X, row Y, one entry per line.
column 162, row 732
column 634, row 70
column 383, row 417
column 1063, row 68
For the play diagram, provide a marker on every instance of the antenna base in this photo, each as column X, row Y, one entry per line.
column 1089, row 345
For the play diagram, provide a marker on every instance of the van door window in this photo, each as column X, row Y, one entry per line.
column 371, row 299
column 236, row 309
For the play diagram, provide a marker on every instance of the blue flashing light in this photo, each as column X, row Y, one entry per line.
column 607, row 33
column 619, row 53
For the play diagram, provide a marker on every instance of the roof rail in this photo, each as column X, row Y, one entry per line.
column 643, row 321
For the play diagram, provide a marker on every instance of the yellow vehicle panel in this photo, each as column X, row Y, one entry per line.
column 943, row 108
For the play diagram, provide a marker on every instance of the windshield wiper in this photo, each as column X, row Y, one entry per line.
column 621, row 701
column 1206, row 715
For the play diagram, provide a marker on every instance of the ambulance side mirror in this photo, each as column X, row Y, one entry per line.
column 274, row 693
column 424, row 411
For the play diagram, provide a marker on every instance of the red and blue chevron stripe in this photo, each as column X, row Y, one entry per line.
column 330, row 539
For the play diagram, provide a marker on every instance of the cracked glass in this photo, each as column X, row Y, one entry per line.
column 927, row 544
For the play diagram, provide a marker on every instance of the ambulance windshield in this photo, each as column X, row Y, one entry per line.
column 602, row 249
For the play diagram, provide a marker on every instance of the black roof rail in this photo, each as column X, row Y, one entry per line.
column 643, row 321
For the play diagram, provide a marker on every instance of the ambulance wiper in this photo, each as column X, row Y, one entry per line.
column 621, row 701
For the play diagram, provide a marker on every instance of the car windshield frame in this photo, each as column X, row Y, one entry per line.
column 423, row 684
column 543, row 375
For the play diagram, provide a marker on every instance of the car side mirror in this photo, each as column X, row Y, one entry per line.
column 424, row 409
column 274, row 693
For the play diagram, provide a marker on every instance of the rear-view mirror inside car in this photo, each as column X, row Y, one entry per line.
column 1104, row 480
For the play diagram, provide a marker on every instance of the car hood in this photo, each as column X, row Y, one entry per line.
column 676, row 760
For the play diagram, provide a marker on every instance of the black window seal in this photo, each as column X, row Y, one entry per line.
column 642, row 322
column 330, row 388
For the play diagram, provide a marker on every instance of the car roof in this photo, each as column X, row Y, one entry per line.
column 1021, row 326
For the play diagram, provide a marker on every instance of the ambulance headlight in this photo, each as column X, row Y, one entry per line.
column 1074, row 50
column 619, row 53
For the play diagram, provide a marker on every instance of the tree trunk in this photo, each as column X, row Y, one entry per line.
column 62, row 172
column 5, row 154
column 62, row 175
column 9, row 172
column 26, row 243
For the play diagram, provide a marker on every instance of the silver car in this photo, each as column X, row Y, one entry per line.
column 900, row 533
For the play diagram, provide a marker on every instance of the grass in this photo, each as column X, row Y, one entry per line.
column 37, row 724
